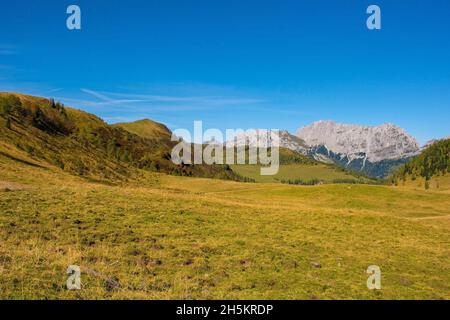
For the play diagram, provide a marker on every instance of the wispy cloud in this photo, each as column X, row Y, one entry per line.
column 186, row 102
column 107, row 101
column 214, row 100
column 129, row 105
column 37, row 89
column 54, row 90
column 76, row 102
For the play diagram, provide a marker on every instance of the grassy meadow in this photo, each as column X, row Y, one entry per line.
column 436, row 183
column 306, row 172
column 165, row 237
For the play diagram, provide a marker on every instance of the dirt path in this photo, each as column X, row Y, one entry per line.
column 12, row 186
column 432, row 218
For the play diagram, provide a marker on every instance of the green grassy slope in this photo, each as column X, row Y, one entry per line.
column 83, row 144
column 161, row 237
column 146, row 128
column 296, row 168
column 304, row 172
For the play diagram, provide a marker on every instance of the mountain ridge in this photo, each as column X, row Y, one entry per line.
column 372, row 150
column 383, row 142
column 85, row 145
column 375, row 150
column 145, row 128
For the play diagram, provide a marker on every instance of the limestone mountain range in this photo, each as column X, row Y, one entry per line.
column 374, row 150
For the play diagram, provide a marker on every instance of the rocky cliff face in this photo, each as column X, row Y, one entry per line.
column 384, row 142
column 374, row 150
column 286, row 140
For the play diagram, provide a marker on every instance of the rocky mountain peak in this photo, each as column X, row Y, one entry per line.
column 286, row 140
column 374, row 143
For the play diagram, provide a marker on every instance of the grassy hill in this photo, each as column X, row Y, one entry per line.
column 83, row 144
column 146, row 128
column 296, row 168
column 430, row 169
column 159, row 236
column 301, row 174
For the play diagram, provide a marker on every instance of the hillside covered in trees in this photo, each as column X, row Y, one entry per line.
column 432, row 162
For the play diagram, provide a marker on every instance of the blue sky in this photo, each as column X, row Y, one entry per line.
column 236, row 64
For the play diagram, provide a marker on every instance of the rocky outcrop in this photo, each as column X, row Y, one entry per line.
column 375, row 143
column 286, row 140
column 374, row 150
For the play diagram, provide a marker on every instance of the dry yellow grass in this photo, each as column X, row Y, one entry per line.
column 164, row 237
column 440, row 183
